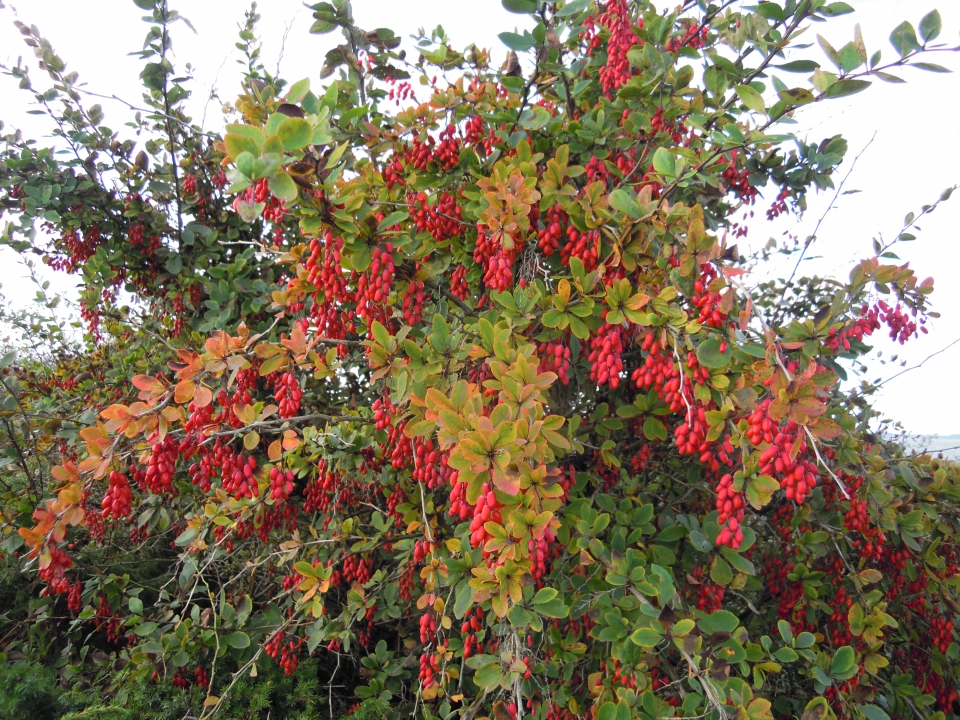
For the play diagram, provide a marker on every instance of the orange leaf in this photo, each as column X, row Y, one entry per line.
column 203, row 396
column 185, row 391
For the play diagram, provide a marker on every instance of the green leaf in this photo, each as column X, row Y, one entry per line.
column 653, row 429
column 709, row 355
column 799, row 66
column 664, row 162
column 238, row 640
column 186, row 537
column 751, row 98
column 930, row 26
column 519, row 43
column 237, row 144
column 488, row 676
column 521, row 7
column 786, row 632
column 786, row 655
column 283, row 186
column 555, row 608
column 842, row 88
column 720, row 620
column 844, row 663
column 835, row 9
column 145, row 629
column 623, row 201
column 646, row 637
column 174, row 264
column 572, row 8
column 295, row 133
column 608, row 711
column 720, row 572
column 872, row 712
column 135, row 605
column 393, row 218
column 904, row 39
column 931, row 67
column 298, row 91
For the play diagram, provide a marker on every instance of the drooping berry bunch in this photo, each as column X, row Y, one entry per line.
column 606, row 346
column 118, row 499
column 288, row 395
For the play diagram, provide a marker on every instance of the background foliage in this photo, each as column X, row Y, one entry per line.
column 438, row 390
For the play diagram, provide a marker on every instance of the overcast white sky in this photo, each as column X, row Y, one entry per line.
column 915, row 156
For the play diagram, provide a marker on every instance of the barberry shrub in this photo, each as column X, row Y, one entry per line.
column 494, row 423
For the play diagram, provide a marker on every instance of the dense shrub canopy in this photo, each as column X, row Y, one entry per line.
column 451, row 375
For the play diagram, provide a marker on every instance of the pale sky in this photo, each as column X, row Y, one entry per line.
column 915, row 156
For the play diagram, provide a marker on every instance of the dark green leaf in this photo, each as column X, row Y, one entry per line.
column 709, row 355
column 842, row 88
column 799, row 66
column 521, row 7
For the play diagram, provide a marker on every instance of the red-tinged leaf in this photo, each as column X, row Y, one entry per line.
column 275, row 451
column 148, row 386
column 825, row 429
column 116, row 412
column 245, row 413
column 203, row 396
column 291, row 440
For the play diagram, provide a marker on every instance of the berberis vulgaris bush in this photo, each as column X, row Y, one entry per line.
column 451, row 375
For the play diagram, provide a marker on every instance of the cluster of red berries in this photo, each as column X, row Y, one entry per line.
column 487, row 510
column 900, row 323
column 238, row 474
column 429, row 668
column 596, row 169
column 161, row 466
column 118, row 499
column 738, row 181
column 327, row 273
column 779, row 206
column 865, row 325
column 442, row 220
column 400, row 92
column 694, row 37
column 78, row 249
column 496, row 261
column 555, row 357
column 393, row 173
column 374, row 286
column 616, row 19
column 472, row 624
column 357, row 569
column 287, row 650
column 288, row 395
column 53, row 569
column 426, row 463
column 730, row 508
column 783, row 457
column 420, row 153
column 604, row 355
column 708, row 304
column 275, row 208
column 447, row 153
column 548, row 238
column 585, row 246
column 458, row 283
column 941, row 633
column 281, row 484
column 413, row 299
